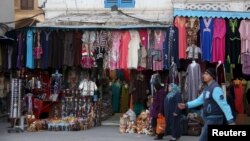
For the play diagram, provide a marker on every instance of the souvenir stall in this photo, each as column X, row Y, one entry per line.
column 69, row 91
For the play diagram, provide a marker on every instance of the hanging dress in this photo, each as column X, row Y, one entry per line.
column 245, row 46
column 133, row 47
column 114, row 53
column 206, row 36
column 238, row 91
column 180, row 23
column 218, row 48
column 29, row 54
column 233, row 43
column 125, row 39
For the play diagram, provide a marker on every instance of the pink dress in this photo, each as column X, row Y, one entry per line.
column 38, row 52
column 245, row 46
column 125, row 39
column 114, row 53
column 218, row 48
column 159, row 37
column 244, row 30
column 180, row 23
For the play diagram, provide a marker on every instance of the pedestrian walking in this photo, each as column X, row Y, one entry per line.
column 215, row 106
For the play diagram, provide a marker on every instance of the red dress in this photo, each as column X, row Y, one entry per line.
column 238, row 91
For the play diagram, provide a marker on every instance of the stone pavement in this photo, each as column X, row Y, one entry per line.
column 102, row 133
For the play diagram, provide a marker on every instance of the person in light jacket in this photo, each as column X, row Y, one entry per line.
column 215, row 106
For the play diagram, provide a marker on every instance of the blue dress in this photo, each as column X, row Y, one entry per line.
column 206, row 38
column 170, row 48
column 29, row 56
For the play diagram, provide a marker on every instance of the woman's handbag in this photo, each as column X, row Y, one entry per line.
column 161, row 124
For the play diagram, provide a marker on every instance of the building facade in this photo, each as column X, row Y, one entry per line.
column 27, row 13
column 101, row 12
column 6, row 6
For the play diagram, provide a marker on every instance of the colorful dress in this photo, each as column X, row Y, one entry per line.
column 206, row 36
column 114, row 54
column 88, row 38
column 170, row 48
column 192, row 29
column 180, row 23
column 29, row 55
column 125, row 39
column 159, row 37
column 233, row 43
column 245, row 46
column 218, row 48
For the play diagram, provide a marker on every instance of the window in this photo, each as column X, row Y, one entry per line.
column 120, row 3
column 27, row 4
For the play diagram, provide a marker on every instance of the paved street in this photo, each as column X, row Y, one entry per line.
column 105, row 133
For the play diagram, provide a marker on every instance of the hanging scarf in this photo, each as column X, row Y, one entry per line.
column 174, row 90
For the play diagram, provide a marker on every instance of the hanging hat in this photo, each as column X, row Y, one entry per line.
column 211, row 72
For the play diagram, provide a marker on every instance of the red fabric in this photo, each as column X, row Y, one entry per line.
column 87, row 62
column 38, row 106
column 127, row 74
column 238, row 90
column 123, row 53
column 38, row 52
column 144, row 37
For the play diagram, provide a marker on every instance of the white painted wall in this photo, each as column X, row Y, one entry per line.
column 143, row 8
column 99, row 4
column 7, row 12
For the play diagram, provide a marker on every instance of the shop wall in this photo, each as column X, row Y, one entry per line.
column 145, row 9
column 7, row 12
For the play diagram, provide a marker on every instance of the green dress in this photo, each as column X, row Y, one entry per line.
column 116, row 92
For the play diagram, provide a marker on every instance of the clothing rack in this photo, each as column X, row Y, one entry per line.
column 15, row 106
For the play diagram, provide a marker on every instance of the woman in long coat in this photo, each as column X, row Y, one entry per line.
column 172, row 112
column 157, row 107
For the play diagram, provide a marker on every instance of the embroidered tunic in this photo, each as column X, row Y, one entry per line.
column 114, row 54
column 159, row 36
column 218, row 48
column 193, row 52
column 206, row 36
column 245, row 45
column 233, row 43
column 170, row 48
column 192, row 29
column 180, row 23
column 88, row 87
column 133, row 47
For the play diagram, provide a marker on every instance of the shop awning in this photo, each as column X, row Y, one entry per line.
column 211, row 14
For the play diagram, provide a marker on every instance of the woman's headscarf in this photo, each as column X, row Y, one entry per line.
column 174, row 90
